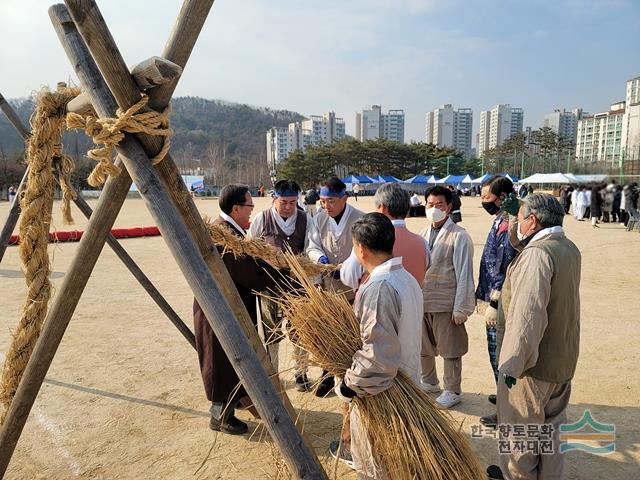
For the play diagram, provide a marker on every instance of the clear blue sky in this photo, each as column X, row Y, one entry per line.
column 314, row 56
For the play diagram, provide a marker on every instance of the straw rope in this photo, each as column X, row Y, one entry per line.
column 258, row 248
column 44, row 147
column 109, row 132
column 47, row 127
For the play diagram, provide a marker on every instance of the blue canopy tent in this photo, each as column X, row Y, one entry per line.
column 451, row 180
column 365, row 183
column 387, row 179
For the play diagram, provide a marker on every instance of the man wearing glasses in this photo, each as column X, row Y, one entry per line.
column 221, row 383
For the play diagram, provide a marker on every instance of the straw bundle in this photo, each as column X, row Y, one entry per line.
column 410, row 437
column 258, row 248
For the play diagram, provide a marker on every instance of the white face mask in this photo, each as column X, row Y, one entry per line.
column 521, row 236
column 435, row 215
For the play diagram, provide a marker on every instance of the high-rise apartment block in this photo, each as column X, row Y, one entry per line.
column 565, row 123
column 497, row 125
column 612, row 136
column 371, row 123
column 316, row 129
column 446, row 127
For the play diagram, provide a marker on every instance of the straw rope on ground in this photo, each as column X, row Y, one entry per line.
column 324, row 324
column 44, row 155
column 258, row 248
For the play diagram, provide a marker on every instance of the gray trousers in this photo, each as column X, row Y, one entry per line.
column 532, row 401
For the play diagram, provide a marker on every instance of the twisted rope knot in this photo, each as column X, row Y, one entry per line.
column 109, row 132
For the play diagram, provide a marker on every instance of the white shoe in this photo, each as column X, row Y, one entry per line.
column 448, row 399
column 427, row 387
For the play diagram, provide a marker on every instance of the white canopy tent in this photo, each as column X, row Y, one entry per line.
column 550, row 178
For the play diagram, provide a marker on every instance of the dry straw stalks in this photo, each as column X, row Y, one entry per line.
column 410, row 437
column 258, row 248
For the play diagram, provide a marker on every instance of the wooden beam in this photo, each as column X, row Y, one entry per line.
column 299, row 457
column 13, row 118
column 149, row 73
column 183, row 37
column 118, row 249
column 12, row 218
column 89, row 248
column 155, row 71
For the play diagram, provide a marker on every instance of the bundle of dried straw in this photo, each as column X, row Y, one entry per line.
column 410, row 437
column 258, row 248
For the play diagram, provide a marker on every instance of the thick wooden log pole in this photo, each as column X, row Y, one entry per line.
column 147, row 74
column 104, row 50
column 111, row 201
column 14, row 211
column 299, row 457
column 65, row 302
column 118, row 249
column 13, row 117
column 155, row 71
column 12, row 218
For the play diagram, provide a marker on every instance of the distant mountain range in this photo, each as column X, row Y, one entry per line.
column 236, row 130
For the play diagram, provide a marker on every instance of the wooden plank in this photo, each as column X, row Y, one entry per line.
column 155, row 71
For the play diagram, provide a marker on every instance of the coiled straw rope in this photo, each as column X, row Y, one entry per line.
column 47, row 127
column 48, row 124
column 110, row 131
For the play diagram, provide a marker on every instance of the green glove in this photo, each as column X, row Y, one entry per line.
column 509, row 381
column 510, row 204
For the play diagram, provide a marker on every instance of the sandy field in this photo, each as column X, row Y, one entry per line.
column 124, row 398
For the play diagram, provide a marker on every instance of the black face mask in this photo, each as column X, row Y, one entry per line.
column 490, row 207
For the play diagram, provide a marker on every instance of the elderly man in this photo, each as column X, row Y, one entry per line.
column 389, row 308
column 391, row 200
column 221, row 383
column 448, row 297
column 334, row 231
column 496, row 257
column 538, row 337
column 282, row 226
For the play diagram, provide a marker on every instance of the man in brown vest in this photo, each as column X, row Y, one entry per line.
column 221, row 383
column 538, row 339
column 449, row 297
column 284, row 225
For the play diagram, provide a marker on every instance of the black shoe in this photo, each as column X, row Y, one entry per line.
column 492, row 399
column 344, row 456
column 231, row 425
column 490, row 421
column 302, row 383
column 494, row 472
column 325, row 387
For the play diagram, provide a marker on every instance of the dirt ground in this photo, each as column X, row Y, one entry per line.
column 124, row 399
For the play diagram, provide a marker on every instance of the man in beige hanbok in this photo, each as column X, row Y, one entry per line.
column 449, row 298
column 538, row 334
column 389, row 308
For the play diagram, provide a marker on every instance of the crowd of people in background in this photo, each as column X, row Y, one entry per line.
column 607, row 203
column 413, row 294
